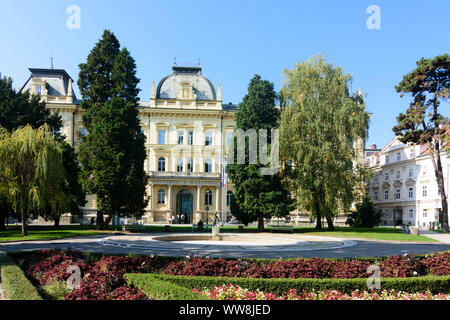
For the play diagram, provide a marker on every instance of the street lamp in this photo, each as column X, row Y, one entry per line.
column 207, row 216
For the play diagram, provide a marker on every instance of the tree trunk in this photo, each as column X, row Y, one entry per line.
column 261, row 223
column 99, row 220
column 318, row 215
column 330, row 223
column 106, row 222
column 437, row 164
column 57, row 221
column 24, row 225
column 3, row 218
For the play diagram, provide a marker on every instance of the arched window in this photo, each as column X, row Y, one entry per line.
column 161, row 196
column 161, row 164
column 208, row 198
column 229, row 197
column 208, row 165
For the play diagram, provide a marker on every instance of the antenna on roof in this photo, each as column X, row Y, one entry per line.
column 51, row 58
column 175, row 61
column 199, row 62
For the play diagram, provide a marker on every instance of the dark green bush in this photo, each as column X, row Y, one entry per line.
column 365, row 216
column 159, row 289
column 15, row 283
column 434, row 284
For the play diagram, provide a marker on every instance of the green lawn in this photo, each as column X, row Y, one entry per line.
column 389, row 234
column 47, row 233
column 13, row 233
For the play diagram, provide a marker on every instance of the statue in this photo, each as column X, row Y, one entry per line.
column 216, row 227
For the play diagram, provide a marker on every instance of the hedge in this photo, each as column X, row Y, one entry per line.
column 160, row 289
column 280, row 286
column 15, row 283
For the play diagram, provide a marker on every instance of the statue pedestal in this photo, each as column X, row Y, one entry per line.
column 216, row 232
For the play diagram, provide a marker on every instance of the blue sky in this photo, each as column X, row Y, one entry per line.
column 235, row 40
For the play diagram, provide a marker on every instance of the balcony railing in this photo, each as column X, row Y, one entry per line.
column 164, row 174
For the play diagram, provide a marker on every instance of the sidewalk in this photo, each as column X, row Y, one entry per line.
column 442, row 237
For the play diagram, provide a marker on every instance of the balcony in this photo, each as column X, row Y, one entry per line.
column 184, row 175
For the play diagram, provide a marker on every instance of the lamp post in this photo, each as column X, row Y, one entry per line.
column 207, row 216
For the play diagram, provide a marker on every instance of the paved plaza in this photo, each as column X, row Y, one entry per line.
column 236, row 246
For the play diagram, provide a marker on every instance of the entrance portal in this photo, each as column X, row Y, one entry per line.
column 185, row 205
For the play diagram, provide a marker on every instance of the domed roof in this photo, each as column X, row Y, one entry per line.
column 169, row 86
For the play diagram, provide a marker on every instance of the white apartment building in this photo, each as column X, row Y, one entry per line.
column 404, row 185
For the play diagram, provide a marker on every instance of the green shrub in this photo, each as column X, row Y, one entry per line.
column 54, row 291
column 434, row 284
column 160, row 289
column 15, row 283
column 365, row 216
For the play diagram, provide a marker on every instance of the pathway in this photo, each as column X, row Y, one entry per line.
column 441, row 237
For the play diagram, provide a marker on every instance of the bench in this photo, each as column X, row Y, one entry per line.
column 133, row 228
column 205, row 227
column 282, row 229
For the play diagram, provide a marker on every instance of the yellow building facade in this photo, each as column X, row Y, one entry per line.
column 188, row 129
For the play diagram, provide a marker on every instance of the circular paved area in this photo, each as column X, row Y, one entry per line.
column 230, row 245
column 130, row 244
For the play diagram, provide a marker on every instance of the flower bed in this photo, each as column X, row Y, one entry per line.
column 102, row 277
column 233, row 292
column 315, row 268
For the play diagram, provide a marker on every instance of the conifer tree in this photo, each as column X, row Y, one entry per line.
column 113, row 152
column 257, row 197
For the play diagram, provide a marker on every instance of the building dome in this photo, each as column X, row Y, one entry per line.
column 171, row 86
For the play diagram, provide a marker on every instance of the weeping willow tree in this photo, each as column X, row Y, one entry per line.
column 31, row 170
column 321, row 124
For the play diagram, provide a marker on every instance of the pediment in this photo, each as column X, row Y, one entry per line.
column 410, row 182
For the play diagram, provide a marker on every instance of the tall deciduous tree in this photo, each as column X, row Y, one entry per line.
column 423, row 123
column 113, row 153
column 257, row 196
column 30, row 169
column 322, row 128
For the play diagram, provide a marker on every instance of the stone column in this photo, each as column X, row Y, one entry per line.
column 198, row 214
column 169, row 198
column 150, row 216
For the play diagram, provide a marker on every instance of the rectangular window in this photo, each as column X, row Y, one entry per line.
column 411, row 213
column 412, row 153
column 39, row 90
column 410, row 173
column 162, row 137
column 386, row 176
column 425, row 213
column 180, row 165
column 229, row 137
column 387, row 158
column 399, row 156
column 386, row 214
column 399, row 175
column 180, row 137
column 397, row 194
column 375, row 196
column 208, row 138
column 410, row 193
column 190, row 138
column 190, row 165
column 424, row 191
column 386, row 195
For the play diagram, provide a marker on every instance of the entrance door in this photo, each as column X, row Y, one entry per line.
column 398, row 217
column 185, row 205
